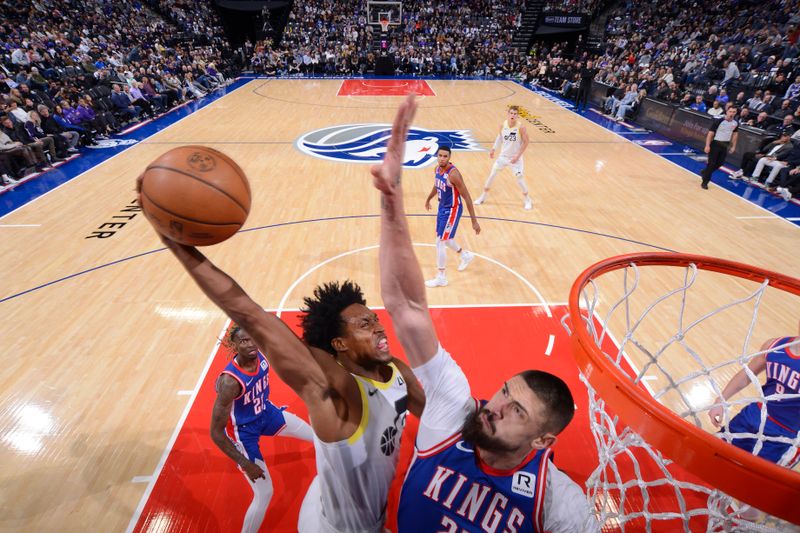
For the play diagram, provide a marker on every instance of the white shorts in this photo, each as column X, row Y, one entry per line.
column 311, row 519
column 503, row 162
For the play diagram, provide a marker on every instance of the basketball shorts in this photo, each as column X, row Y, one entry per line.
column 447, row 222
column 748, row 421
column 503, row 162
column 246, row 436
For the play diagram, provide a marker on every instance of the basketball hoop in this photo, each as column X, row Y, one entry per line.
column 384, row 25
column 649, row 435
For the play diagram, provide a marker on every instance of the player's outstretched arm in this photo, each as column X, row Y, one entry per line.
column 402, row 284
column 289, row 356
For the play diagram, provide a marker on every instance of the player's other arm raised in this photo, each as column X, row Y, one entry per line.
column 402, row 284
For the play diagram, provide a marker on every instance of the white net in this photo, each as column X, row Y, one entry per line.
column 684, row 335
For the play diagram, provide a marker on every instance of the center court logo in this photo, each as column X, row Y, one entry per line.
column 366, row 143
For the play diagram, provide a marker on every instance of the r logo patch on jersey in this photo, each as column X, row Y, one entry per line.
column 264, row 364
column 523, row 483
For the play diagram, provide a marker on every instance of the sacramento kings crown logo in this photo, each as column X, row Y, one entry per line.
column 366, row 143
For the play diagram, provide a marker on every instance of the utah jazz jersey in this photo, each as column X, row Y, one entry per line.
column 448, row 488
column 783, row 377
column 355, row 474
column 512, row 140
column 447, row 194
column 254, row 398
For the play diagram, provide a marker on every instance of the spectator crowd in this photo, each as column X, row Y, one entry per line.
column 74, row 71
column 706, row 57
column 432, row 38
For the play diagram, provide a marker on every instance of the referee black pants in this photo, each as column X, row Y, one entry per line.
column 583, row 94
column 716, row 157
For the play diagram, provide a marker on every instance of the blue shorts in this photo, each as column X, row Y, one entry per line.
column 246, row 436
column 447, row 222
column 748, row 421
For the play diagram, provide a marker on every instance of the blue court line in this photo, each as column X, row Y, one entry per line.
column 681, row 154
column 331, row 219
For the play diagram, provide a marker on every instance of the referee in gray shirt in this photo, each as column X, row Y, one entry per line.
column 720, row 140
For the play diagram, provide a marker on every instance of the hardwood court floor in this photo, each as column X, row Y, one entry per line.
column 94, row 365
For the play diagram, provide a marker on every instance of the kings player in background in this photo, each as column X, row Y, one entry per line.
column 243, row 413
column 781, row 359
column 478, row 466
column 452, row 194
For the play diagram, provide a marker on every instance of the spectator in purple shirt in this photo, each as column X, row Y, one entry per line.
column 107, row 121
column 137, row 90
column 137, row 98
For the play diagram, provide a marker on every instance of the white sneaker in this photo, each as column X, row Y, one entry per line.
column 466, row 259
column 438, row 281
column 528, row 203
column 737, row 175
column 784, row 192
column 480, row 200
column 8, row 180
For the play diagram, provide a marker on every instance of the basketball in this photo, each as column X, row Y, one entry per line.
column 195, row 195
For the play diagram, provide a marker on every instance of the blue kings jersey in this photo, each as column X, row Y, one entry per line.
column 783, row 377
column 255, row 391
column 449, row 489
column 447, row 194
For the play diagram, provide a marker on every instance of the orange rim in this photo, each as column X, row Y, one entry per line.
column 764, row 485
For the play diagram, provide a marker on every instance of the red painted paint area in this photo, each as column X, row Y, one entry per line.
column 385, row 88
column 200, row 489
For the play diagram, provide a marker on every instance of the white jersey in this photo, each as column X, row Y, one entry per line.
column 354, row 475
column 448, row 402
column 512, row 140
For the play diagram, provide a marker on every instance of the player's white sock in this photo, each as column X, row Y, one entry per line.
column 262, row 494
column 490, row 179
column 451, row 243
column 528, row 203
column 522, row 185
column 441, row 260
column 441, row 254
column 486, row 186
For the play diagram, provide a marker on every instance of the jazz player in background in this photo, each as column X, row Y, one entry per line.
column 477, row 466
column 511, row 142
column 244, row 412
column 781, row 360
column 356, row 392
column 452, row 195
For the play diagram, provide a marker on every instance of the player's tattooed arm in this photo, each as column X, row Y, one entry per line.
column 227, row 391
